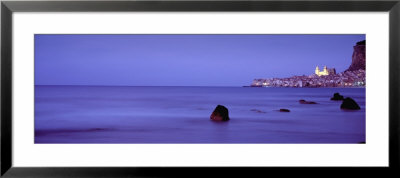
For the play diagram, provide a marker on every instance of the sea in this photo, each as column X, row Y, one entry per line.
column 181, row 115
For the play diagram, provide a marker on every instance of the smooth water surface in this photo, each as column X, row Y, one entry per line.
column 118, row 114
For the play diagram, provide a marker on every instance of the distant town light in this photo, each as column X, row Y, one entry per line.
column 344, row 79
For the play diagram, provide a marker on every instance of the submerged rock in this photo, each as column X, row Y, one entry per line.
column 284, row 110
column 258, row 111
column 220, row 113
column 337, row 97
column 306, row 102
column 349, row 103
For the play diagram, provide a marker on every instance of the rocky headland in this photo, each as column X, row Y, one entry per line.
column 358, row 58
column 354, row 76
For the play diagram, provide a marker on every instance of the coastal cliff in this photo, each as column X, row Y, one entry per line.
column 358, row 58
column 354, row 76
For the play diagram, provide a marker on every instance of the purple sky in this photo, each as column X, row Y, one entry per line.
column 185, row 60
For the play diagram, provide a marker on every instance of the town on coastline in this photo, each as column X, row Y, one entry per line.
column 354, row 76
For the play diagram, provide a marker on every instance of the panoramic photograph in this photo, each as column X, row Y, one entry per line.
column 200, row 88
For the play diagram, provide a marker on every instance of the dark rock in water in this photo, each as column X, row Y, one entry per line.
column 258, row 111
column 349, row 103
column 284, row 110
column 337, row 97
column 306, row 102
column 220, row 113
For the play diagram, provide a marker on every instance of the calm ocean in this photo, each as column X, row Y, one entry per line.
column 113, row 114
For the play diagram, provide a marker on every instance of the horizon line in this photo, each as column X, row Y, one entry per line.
column 144, row 85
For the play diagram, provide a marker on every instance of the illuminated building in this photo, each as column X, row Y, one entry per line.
column 324, row 72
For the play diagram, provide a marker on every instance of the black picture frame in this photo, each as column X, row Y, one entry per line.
column 8, row 7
